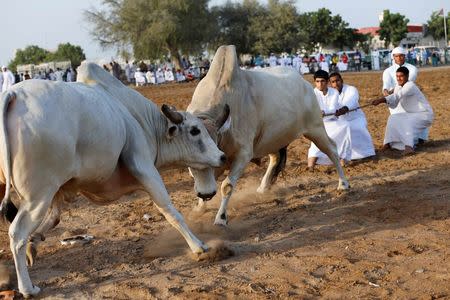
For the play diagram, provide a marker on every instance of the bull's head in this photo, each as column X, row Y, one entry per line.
column 187, row 142
column 204, row 180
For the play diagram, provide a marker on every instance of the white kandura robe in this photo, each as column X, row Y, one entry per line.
column 140, row 78
column 8, row 80
column 361, row 141
column 389, row 83
column 404, row 129
column 337, row 129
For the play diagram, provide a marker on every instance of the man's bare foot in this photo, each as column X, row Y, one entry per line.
column 385, row 147
column 408, row 151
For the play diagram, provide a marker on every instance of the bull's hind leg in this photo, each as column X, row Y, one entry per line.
column 277, row 162
column 30, row 215
column 50, row 221
column 319, row 137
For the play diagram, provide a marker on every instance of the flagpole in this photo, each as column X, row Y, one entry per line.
column 445, row 28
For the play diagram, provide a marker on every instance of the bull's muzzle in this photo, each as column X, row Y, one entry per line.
column 206, row 197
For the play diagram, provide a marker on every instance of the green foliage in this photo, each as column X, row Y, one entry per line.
column 232, row 25
column 324, row 29
column 36, row 55
column 153, row 27
column 30, row 55
column 70, row 52
column 276, row 29
column 393, row 28
column 435, row 26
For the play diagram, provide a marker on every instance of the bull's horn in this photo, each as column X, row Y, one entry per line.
column 223, row 117
column 171, row 114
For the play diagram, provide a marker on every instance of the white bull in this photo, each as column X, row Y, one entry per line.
column 269, row 109
column 97, row 138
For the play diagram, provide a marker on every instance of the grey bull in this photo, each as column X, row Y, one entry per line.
column 97, row 138
column 270, row 108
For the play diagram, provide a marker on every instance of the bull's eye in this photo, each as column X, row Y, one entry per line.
column 195, row 131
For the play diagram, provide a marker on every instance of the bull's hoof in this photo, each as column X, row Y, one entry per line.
column 30, row 293
column 217, row 252
column 220, row 222
column 343, row 185
column 261, row 190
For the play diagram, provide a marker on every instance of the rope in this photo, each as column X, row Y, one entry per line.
column 359, row 107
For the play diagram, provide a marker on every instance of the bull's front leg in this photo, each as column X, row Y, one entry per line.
column 152, row 181
column 237, row 167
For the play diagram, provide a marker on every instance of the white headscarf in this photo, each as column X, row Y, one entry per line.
column 398, row 50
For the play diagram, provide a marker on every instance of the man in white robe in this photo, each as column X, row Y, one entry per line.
column 160, row 76
column 180, row 76
column 139, row 77
column 337, row 129
column 59, row 75
column 272, row 60
column 324, row 66
column 168, row 75
column 296, row 62
column 8, row 79
column 404, row 129
column 361, row 141
column 150, row 76
column 389, row 77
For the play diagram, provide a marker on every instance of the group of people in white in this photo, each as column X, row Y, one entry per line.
column 162, row 73
column 59, row 75
column 345, row 122
column 7, row 78
column 305, row 65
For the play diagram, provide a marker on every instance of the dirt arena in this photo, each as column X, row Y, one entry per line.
column 387, row 238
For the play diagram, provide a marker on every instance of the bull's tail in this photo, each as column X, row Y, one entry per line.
column 7, row 209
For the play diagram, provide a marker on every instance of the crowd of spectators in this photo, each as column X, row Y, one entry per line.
column 145, row 73
column 141, row 73
column 304, row 64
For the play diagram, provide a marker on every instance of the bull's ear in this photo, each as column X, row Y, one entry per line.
column 223, row 117
column 172, row 131
column 171, row 114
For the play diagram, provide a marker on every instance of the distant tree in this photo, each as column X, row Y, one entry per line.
column 342, row 36
column 276, row 29
column 70, row 52
column 233, row 25
column 30, row 55
column 393, row 28
column 317, row 28
column 435, row 26
column 321, row 28
column 153, row 28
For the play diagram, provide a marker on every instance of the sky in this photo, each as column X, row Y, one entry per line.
column 47, row 23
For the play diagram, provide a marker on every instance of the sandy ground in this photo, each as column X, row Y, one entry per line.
column 387, row 238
